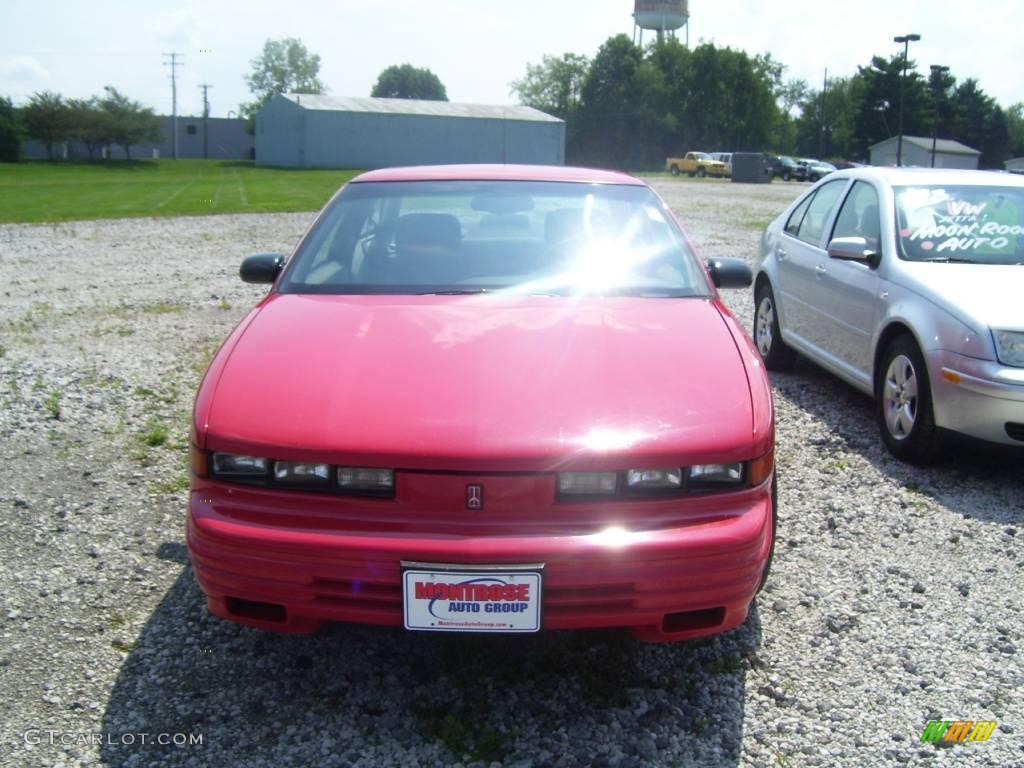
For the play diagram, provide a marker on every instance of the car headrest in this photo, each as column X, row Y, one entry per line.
column 428, row 230
column 563, row 224
column 869, row 224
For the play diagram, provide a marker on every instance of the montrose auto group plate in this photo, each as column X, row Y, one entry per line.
column 461, row 598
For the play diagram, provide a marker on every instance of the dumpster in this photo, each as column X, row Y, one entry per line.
column 751, row 168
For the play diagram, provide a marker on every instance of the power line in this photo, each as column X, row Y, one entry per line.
column 174, row 64
column 91, row 52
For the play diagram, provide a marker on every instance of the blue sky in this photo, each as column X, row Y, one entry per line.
column 477, row 47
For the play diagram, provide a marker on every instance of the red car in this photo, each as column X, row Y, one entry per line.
column 486, row 399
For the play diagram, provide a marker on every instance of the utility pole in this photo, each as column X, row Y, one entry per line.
column 823, row 144
column 206, row 115
column 174, row 64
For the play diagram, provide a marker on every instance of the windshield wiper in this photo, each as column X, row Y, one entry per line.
column 662, row 295
column 454, row 292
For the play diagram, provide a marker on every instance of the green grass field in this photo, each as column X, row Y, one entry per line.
column 60, row 191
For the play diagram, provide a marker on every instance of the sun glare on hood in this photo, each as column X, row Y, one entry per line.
column 603, row 439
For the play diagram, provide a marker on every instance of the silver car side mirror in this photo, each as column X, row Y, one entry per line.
column 852, row 249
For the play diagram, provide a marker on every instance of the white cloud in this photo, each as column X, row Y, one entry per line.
column 22, row 68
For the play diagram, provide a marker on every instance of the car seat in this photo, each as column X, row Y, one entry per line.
column 563, row 225
column 425, row 249
column 870, row 227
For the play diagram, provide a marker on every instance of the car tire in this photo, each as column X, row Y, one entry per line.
column 775, row 526
column 701, row 173
column 786, row 176
column 903, row 403
column 674, row 170
column 776, row 354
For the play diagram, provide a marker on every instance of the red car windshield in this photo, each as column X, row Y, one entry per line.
column 556, row 238
column 969, row 224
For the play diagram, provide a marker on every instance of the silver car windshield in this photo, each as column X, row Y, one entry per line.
column 496, row 236
column 965, row 224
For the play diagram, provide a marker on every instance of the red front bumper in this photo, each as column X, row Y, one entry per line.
column 666, row 584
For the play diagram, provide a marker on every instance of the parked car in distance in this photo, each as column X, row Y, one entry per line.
column 695, row 164
column 723, row 157
column 465, row 405
column 907, row 284
column 818, row 169
column 786, row 168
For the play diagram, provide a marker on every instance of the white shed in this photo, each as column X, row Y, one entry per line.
column 317, row 131
column 917, row 151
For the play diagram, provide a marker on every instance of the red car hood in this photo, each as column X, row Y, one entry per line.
column 482, row 383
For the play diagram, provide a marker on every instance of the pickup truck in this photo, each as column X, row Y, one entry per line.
column 696, row 164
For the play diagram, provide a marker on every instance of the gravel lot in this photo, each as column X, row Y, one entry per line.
column 895, row 596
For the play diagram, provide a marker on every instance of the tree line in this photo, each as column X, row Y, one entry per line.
column 626, row 107
column 283, row 66
column 98, row 123
column 630, row 107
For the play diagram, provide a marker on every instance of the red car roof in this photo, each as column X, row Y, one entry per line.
column 499, row 173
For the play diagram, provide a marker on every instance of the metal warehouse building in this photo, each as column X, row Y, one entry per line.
column 917, row 151
column 316, row 131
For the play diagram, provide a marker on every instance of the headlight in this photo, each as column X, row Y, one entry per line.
column 663, row 482
column 587, row 483
column 366, row 479
column 716, row 475
column 654, row 479
column 1010, row 347
column 240, row 466
column 300, row 472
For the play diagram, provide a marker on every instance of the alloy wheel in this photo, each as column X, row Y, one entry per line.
column 899, row 394
column 765, row 321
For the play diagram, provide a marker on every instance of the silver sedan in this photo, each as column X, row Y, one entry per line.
column 908, row 284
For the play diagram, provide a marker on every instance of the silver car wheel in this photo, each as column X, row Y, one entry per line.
column 765, row 323
column 899, row 393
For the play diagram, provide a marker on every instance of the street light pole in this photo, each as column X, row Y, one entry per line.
column 937, row 71
column 823, row 143
column 906, row 40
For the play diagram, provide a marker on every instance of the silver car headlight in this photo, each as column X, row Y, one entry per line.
column 1010, row 347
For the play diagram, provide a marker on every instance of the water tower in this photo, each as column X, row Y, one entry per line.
column 662, row 16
